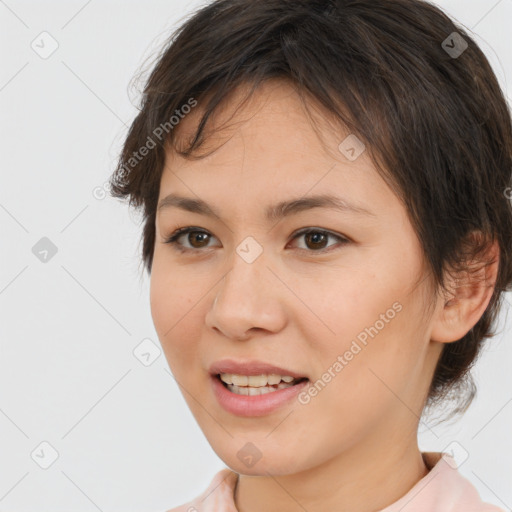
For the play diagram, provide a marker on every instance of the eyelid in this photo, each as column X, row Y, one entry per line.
column 172, row 239
column 176, row 234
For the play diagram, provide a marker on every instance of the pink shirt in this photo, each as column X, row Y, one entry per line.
column 443, row 489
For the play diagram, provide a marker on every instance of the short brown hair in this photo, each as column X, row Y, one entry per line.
column 437, row 121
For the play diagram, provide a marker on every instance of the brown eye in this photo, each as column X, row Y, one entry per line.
column 199, row 238
column 316, row 240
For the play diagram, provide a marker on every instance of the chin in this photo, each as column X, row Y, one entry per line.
column 262, row 468
column 247, row 460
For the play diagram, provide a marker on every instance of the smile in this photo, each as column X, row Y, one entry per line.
column 252, row 385
column 252, row 400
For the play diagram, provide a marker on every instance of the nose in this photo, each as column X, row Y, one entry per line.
column 249, row 299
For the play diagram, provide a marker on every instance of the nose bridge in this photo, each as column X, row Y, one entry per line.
column 247, row 272
column 245, row 298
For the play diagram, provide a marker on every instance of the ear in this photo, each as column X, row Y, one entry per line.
column 469, row 293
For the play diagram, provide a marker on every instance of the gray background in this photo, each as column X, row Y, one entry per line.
column 69, row 326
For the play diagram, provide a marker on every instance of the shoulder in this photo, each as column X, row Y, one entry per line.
column 187, row 507
column 463, row 493
column 182, row 508
column 443, row 488
column 449, row 490
column 220, row 493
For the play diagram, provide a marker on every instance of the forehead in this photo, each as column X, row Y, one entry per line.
column 273, row 115
column 269, row 147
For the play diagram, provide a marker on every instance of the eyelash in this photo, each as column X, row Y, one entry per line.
column 173, row 239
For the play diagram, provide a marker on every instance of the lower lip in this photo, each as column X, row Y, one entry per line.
column 258, row 405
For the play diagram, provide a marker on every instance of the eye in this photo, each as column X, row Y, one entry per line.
column 199, row 238
column 315, row 239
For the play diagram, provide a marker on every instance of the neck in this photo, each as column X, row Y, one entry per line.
column 364, row 479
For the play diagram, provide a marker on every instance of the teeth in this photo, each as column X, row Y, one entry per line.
column 249, row 391
column 271, row 379
column 240, row 380
column 255, row 381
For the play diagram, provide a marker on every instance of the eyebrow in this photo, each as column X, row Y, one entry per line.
column 273, row 212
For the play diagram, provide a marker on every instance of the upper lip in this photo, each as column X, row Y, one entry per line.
column 251, row 367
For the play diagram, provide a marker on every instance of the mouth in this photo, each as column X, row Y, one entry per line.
column 255, row 385
column 251, row 388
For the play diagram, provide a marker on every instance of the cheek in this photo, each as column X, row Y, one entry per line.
column 175, row 315
column 358, row 383
column 171, row 294
column 348, row 304
column 375, row 322
column 379, row 359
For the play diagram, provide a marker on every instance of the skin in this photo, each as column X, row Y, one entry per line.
column 354, row 445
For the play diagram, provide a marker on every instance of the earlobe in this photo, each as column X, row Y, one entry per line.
column 469, row 294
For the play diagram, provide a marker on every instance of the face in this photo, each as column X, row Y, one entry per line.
column 334, row 295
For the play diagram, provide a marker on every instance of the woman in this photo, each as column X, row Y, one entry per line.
column 328, row 237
